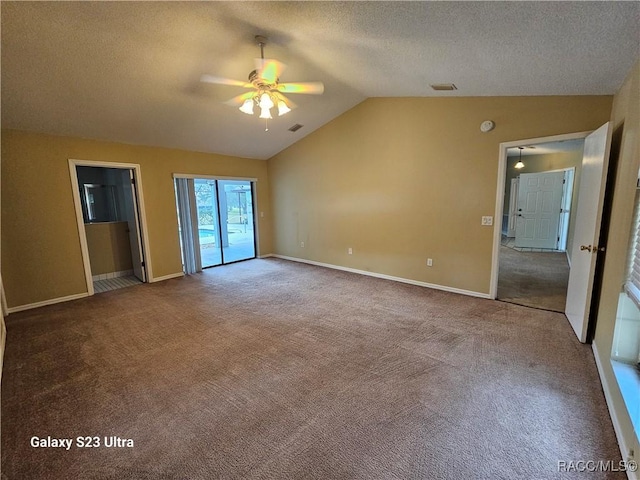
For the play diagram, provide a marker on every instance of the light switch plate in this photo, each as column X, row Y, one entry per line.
column 487, row 220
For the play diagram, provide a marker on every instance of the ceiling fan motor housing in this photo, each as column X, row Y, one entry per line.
column 259, row 83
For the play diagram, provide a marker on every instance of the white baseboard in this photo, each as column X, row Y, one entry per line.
column 386, row 277
column 166, row 277
column 267, row 255
column 624, row 449
column 44, row 303
column 78, row 295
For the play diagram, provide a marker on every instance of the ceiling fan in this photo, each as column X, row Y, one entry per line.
column 267, row 91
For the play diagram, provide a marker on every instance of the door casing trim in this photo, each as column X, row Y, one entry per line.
column 75, row 187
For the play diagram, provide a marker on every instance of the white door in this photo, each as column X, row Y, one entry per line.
column 539, row 205
column 513, row 208
column 131, row 209
column 587, row 230
column 565, row 216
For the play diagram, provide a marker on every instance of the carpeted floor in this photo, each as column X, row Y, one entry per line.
column 533, row 279
column 269, row 369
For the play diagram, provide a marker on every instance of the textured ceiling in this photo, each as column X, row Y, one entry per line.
column 129, row 71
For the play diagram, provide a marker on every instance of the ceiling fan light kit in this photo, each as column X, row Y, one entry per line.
column 265, row 80
column 247, row 107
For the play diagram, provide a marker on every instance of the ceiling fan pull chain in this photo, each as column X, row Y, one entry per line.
column 266, row 124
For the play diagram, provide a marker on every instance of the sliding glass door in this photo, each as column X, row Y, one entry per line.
column 216, row 221
column 236, row 220
column 208, row 222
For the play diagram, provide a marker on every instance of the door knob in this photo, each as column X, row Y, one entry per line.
column 585, row 247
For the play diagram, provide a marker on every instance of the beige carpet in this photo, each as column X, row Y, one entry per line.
column 533, row 279
column 269, row 369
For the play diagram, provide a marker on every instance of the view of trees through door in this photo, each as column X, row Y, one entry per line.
column 225, row 221
column 216, row 221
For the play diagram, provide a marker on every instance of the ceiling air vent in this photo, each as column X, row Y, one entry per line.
column 296, row 127
column 444, row 86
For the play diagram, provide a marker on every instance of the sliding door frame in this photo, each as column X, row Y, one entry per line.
column 254, row 194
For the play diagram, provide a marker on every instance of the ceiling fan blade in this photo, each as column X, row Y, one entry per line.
column 224, row 81
column 240, row 99
column 286, row 101
column 269, row 69
column 313, row 88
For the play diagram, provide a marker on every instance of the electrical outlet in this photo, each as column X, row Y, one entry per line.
column 487, row 220
column 350, row 251
column 302, row 244
column 429, row 262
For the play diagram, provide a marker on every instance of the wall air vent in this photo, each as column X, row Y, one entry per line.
column 296, row 127
column 444, row 86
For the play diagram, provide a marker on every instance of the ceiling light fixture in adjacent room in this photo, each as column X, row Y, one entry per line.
column 519, row 165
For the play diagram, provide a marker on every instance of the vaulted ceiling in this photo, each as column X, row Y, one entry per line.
column 130, row 71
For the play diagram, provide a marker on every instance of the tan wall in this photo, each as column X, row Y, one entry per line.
column 403, row 179
column 109, row 247
column 41, row 257
column 626, row 110
column 545, row 163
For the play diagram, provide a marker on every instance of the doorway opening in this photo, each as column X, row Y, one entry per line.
column 536, row 192
column 111, row 224
column 216, row 221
